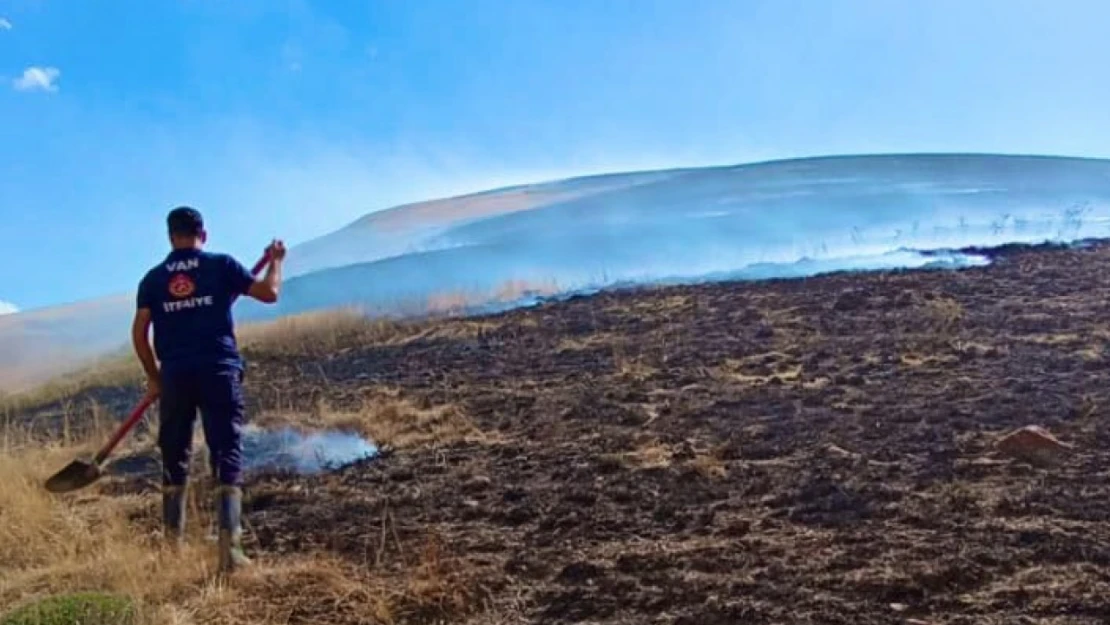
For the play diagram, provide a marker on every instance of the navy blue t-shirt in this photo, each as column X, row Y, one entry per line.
column 190, row 296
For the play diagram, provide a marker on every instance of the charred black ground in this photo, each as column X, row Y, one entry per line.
column 794, row 451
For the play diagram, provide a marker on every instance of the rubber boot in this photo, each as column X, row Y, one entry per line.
column 173, row 515
column 230, row 530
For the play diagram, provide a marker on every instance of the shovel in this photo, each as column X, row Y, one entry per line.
column 80, row 473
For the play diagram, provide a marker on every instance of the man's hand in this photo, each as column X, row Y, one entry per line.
column 153, row 389
column 276, row 250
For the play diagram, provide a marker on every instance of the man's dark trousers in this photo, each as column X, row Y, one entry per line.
column 218, row 394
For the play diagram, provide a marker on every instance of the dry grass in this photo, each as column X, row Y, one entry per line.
column 737, row 371
column 631, row 367
column 654, row 454
column 651, row 454
column 306, row 335
column 459, row 302
column 388, row 419
column 110, row 371
column 51, row 545
column 943, row 314
column 590, row 341
column 320, row 333
column 319, row 589
column 93, row 541
column 709, row 466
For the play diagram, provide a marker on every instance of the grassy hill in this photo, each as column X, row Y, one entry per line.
column 772, row 218
column 803, row 451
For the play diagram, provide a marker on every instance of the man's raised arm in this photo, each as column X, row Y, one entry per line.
column 268, row 288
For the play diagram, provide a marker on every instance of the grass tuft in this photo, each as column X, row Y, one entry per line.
column 86, row 608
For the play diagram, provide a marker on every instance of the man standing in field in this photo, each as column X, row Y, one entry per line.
column 188, row 298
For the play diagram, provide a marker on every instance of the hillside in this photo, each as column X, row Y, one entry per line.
column 806, row 451
column 779, row 218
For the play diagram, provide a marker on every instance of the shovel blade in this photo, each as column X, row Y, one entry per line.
column 77, row 474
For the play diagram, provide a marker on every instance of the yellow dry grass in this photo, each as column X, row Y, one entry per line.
column 943, row 313
column 655, row 454
column 649, row 455
column 115, row 370
column 632, row 367
column 306, row 335
column 320, row 333
column 51, row 545
column 733, row 371
column 94, row 541
column 452, row 303
column 388, row 419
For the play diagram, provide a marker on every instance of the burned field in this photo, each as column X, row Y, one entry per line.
column 796, row 451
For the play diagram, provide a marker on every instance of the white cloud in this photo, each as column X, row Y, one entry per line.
column 38, row 79
column 7, row 308
column 5, row 24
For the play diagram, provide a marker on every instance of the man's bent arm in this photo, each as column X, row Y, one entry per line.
column 140, row 339
column 267, row 289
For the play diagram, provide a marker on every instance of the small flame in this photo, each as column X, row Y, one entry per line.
column 314, row 452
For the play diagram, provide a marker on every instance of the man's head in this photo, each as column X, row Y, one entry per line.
column 186, row 228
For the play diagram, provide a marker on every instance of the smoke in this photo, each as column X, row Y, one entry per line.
column 286, row 449
column 771, row 220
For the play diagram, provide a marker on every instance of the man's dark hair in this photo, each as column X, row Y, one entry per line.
column 185, row 221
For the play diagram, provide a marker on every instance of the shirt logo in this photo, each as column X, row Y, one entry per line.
column 183, row 265
column 182, row 286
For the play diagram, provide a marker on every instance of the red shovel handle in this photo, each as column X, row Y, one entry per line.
column 123, row 429
column 261, row 263
column 139, row 410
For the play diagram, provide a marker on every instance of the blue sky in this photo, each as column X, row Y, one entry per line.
column 291, row 118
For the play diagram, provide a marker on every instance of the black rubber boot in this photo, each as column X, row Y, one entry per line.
column 229, row 507
column 173, row 514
